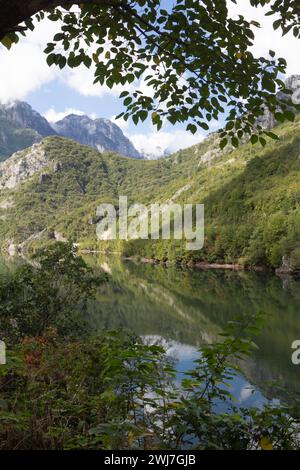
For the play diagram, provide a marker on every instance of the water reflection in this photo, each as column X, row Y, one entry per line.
column 188, row 308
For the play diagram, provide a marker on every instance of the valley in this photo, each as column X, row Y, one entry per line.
column 149, row 229
column 251, row 198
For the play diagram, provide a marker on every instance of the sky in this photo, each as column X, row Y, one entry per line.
column 26, row 76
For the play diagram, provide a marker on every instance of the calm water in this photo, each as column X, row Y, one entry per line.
column 185, row 308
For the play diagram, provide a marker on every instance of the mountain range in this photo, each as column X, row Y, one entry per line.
column 21, row 127
column 51, row 191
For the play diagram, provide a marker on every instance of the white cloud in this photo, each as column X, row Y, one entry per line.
column 81, row 80
column 53, row 116
column 22, row 71
column 120, row 122
column 266, row 38
column 24, row 68
column 156, row 144
column 246, row 392
column 178, row 351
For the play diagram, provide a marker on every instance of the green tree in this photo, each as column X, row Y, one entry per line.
column 50, row 293
column 195, row 57
column 112, row 391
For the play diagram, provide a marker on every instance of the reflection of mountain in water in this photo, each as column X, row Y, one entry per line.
column 146, row 306
column 192, row 307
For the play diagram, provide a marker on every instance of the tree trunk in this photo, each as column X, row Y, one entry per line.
column 14, row 12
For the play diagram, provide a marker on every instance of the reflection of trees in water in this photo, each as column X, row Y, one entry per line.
column 192, row 306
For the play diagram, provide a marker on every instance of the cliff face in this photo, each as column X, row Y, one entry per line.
column 268, row 121
column 20, row 127
column 100, row 134
column 22, row 114
column 22, row 166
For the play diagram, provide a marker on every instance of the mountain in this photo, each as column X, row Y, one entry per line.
column 21, row 127
column 100, row 134
column 268, row 121
column 251, row 196
column 22, row 114
column 157, row 154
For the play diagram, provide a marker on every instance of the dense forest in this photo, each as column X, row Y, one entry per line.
column 250, row 194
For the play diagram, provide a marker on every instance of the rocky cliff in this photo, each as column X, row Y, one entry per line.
column 268, row 121
column 22, row 114
column 20, row 127
column 100, row 134
column 23, row 165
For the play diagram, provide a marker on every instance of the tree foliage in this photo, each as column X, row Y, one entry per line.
column 52, row 293
column 112, row 391
column 194, row 58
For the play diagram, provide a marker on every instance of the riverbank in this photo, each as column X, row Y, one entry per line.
column 198, row 265
column 284, row 270
column 190, row 264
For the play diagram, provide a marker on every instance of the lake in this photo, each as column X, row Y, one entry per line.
column 184, row 308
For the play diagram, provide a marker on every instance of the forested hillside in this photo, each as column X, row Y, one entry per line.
column 251, row 196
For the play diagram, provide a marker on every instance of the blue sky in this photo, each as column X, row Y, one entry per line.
column 55, row 93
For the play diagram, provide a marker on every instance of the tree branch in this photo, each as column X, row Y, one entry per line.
column 15, row 12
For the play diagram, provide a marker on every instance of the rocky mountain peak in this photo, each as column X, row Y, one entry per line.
column 25, row 116
column 100, row 134
column 21, row 126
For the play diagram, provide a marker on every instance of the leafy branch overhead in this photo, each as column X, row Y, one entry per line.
column 195, row 60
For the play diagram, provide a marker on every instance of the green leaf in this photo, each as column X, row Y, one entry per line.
column 7, row 42
column 235, row 142
column 223, row 143
column 51, row 59
column 265, row 443
column 50, row 47
column 279, row 117
column 289, row 115
column 272, row 135
column 204, row 126
column 229, row 125
column 58, row 37
column 254, row 139
column 127, row 101
column 192, row 128
column 269, row 84
column 143, row 115
column 263, row 141
column 277, row 24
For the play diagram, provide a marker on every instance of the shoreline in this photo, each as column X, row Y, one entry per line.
column 283, row 271
column 202, row 265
